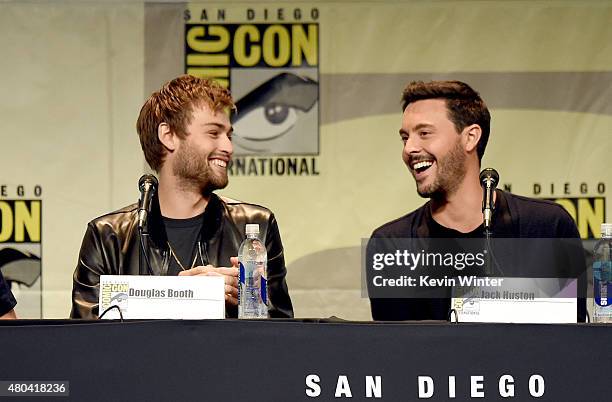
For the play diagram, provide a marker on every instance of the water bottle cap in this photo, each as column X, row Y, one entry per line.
column 606, row 229
column 252, row 228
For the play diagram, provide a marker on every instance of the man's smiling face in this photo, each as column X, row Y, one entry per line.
column 203, row 155
column 433, row 149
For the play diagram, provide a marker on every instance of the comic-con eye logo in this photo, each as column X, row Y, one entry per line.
column 114, row 294
column 272, row 70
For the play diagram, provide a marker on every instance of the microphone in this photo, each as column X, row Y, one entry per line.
column 489, row 178
column 147, row 186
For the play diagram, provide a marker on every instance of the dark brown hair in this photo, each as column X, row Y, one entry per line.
column 174, row 104
column 465, row 106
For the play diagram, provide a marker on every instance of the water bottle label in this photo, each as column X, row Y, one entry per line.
column 241, row 273
column 264, row 290
column 602, row 283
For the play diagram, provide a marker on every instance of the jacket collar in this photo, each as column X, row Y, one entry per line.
column 211, row 221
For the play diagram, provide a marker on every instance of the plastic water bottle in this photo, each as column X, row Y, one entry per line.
column 602, row 276
column 252, row 290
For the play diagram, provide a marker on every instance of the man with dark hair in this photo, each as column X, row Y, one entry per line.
column 185, row 133
column 445, row 130
column 464, row 105
column 7, row 300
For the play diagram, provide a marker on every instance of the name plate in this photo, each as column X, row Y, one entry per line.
column 519, row 300
column 162, row 297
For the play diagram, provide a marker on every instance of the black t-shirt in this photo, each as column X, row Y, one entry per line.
column 499, row 224
column 183, row 238
column 7, row 300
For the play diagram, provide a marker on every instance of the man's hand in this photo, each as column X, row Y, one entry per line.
column 9, row 316
column 230, row 275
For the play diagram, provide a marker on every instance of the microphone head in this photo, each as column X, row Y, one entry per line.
column 489, row 174
column 147, row 179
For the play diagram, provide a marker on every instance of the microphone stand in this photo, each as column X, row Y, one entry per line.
column 147, row 185
column 488, row 179
column 143, row 255
column 489, row 250
column 491, row 263
column 488, row 233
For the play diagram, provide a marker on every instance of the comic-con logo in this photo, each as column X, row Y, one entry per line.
column 20, row 248
column 272, row 71
column 114, row 294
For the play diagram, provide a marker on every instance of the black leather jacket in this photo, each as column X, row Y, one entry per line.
column 111, row 247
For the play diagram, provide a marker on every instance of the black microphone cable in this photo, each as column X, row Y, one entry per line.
column 114, row 306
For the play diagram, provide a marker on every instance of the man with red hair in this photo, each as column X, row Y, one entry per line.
column 186, row 136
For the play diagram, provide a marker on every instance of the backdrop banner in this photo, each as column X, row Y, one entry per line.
column 318, row 88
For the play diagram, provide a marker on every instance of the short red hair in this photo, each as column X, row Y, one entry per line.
column 174, row 104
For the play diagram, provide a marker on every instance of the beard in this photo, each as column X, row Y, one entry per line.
column 450, row 174
column 193, row 170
